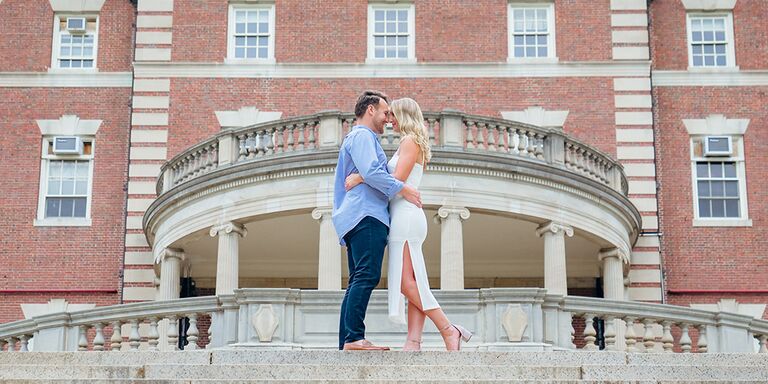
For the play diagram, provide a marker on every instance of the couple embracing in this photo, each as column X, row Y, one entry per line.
column 377, row 204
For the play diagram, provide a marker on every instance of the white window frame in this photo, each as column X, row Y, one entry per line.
column 231, row 35
column 551, row 38
column 741, row 174
column 57, row 44
column 372, row 7
column 41, row 220
column 730, row 53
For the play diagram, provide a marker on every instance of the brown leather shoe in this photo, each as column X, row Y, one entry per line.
column 363, row 345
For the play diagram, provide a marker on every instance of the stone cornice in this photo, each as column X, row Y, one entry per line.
column 710, row 78
column 414, row 70
column 716, row 125
column 66, row 80
column 709, row 5
column 76, row 5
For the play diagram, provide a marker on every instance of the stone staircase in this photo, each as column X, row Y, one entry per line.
column 330, row 366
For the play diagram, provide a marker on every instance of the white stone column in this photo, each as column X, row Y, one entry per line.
column 329, row 253
column 227, row 260
column 170, row 274
column 555, row 277
column 613, row 273
column 451, row 247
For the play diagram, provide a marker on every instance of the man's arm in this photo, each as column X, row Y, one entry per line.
column 362, row 149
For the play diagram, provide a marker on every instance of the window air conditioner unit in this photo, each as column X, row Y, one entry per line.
column 717, row 146
column 67, row 145
column 76, row 24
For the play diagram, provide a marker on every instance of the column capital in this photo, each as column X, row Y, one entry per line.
column 452, row 211
column 553, row 227
column 322, row 213
column 613, row 252
column 173, row 252
column 227, row 228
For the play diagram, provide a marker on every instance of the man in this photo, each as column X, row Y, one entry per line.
column 360, row 215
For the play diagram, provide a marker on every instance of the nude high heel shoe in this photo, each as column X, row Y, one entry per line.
column 464, row 334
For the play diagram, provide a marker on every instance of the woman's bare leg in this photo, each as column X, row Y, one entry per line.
column 410, row 289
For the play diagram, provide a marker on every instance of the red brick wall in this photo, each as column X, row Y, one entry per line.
column 706, row 257
column 669, row 34
column 29, row 37
column 316, row 31
column 194, row 101
column 77, row 258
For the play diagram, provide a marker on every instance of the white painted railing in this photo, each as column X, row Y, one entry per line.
column 449, row 131
column 501, row 318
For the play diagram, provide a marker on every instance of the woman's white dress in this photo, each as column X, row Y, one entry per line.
column 408, row 224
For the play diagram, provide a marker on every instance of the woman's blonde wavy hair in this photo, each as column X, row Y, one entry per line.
column 411, row 122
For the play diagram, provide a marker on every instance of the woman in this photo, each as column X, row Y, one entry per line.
column 408, row 229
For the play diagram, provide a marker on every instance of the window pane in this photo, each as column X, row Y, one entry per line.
column 518, row 14
column 66, row 39
column 402, row 41
column 378, row 15
column 703, row 187
column 530, row 14
column 541, row 39
column 709, row 48
column 263, row 28
column 240, row 28
column 52, row 206
column 391, row 15
column 77, row 63
column 716, row 169
column 54, row 168
column 239, row 41
column 77, row 40
column 240, row 16
column 720, row 23
column 54, row 187
column 65, row 51
column 732, row 208
column 718, row 189
column 402, row 15
column 87, row 51
column 264, row 16
column 402, row 27
column 698, row 61
column 402, row 52
column 379, row 53
column 391, row 28
column 67, row 187
column 67, row 207
column 730, row 169
column 541, row 14
column 64, row 63
column 88, row 39
column 378, row 27
column 263, row 41
column 530, row 40
column 77, row 51
column 706, row 24
column 718, row 208
column 252, row 28
column 519, row 52
column 704, row 208
column 68, row 169
column 250, row 41
column 379, row 41
column 530, row 52
column 519, row 25
column 81, row 187
column 720, row 48
column 542, row 51
column 251, row 52
column 721, row 61
column 240, row 53
column 702, row 170
column 391, row 41
column 709, row 35
column 252, row 16
column 541, row 25
column 391, row 52
column 263, row 53
column 732, row 188
column 696, row 36
column 720, row 36
column 80, row 207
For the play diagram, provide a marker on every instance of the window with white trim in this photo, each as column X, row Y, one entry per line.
column 710, row 41
column 531, row 31
column 75, row 42
column 391, row 32
column 719, row 181
column 251, row 33
column 65, row 183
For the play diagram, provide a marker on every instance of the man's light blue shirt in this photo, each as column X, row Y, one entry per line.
column 361, row 153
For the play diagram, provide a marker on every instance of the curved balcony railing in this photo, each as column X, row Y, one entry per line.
column 449, row 131
column 278, row 317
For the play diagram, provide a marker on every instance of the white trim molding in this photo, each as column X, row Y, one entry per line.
column 709, row 5
column 716, row 125
column 551, row 31
column 537, row 116
column 400, row 70
column 76, row 5
column 68, row 125
column 231, row 24
column 374, row 6
column 66, row 80
column 245, row 116
column 702, row 77
column 733, row 306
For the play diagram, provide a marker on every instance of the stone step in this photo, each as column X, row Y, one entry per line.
column 280, row 381
column 361, row 372
column 675, row 372
column 105, row 358
column 26, row 371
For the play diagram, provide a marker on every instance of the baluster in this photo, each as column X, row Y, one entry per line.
column 23, row 343
column 431, row 131
column 153, row 337
column 261, row 147
column 530, row 145
column 134, row 339
column 493, row 130
column 701, row 345
column 539, row 150
column 270, row 137
column 98, row 340
column 610, row 333
column 685, row 339
column 590, row 335
column 11, row 341
column 470, row 140
column 210, row 330
column 242, row 141
column 629, row 335
column 3, row 343
column 763, row 343
column 521, row 142
column 192, row 332
column 82, row 340
column 568, row 155
column 312, row 128
column 480, row 136
column 117, row 338
column 199, row 162
column 250, row 144
column 648, row 340
column 173, row 332
column 501, row 146
column 302, row 127
column 279, row 140
column 667, row 341
column 291, row 131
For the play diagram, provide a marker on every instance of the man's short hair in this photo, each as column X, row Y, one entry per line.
column 367, row 98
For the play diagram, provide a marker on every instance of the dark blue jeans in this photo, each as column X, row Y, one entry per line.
column 365, row 253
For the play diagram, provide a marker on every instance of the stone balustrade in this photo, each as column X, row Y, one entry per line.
column 501, row 318
column 449, row 131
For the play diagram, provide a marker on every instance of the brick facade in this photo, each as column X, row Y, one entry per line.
column 605, row 111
